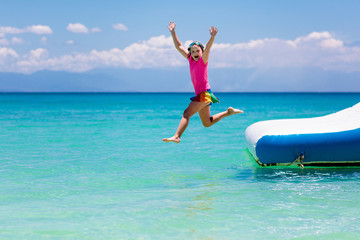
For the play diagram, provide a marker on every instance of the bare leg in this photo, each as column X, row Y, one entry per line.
column 193, row 108
column 209, row 121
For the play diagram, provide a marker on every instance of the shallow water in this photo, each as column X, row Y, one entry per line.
column 93, row 166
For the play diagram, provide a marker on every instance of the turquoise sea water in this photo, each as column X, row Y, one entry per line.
column 93, row 166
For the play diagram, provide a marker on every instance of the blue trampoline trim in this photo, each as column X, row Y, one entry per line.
column 335, row 147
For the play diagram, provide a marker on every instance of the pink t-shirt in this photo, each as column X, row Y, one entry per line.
column 199, row 75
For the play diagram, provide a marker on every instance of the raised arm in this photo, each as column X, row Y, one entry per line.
column 213, row 31
column 177, row 42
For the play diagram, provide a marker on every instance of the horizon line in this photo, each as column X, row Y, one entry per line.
column 171, row 92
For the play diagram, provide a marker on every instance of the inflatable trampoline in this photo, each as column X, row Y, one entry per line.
column 330, row 140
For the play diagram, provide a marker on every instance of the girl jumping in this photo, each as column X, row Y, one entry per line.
column 198, row 57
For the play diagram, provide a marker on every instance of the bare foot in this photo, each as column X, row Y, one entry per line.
column 172, row 139
column 233, row 111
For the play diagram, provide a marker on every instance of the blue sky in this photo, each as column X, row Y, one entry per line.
column 258, row 36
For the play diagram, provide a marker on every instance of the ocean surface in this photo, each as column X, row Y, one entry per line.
column 93, row 166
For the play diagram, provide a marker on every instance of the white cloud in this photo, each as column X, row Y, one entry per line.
column 43, row 40
column 4, row 41
column 95, row 30
column 331, row 43
column 81, row 28
column 37, row 29
column 10, row 30
column 8, row 60
column 39, row 53
column 35, row 58
column 120, row 27
column 317, row 50
column 5, row 52
column 16, row 40
column 69, row 42
column 77, row 28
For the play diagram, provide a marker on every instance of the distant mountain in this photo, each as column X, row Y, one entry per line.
column 120, row 80
column 178, row 80
column 50, row 81
column 284, row 80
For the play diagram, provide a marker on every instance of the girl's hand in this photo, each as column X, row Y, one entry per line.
column 172, row 26
column 213, row 31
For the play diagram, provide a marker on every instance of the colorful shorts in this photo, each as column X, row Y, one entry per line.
column 206, row 96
